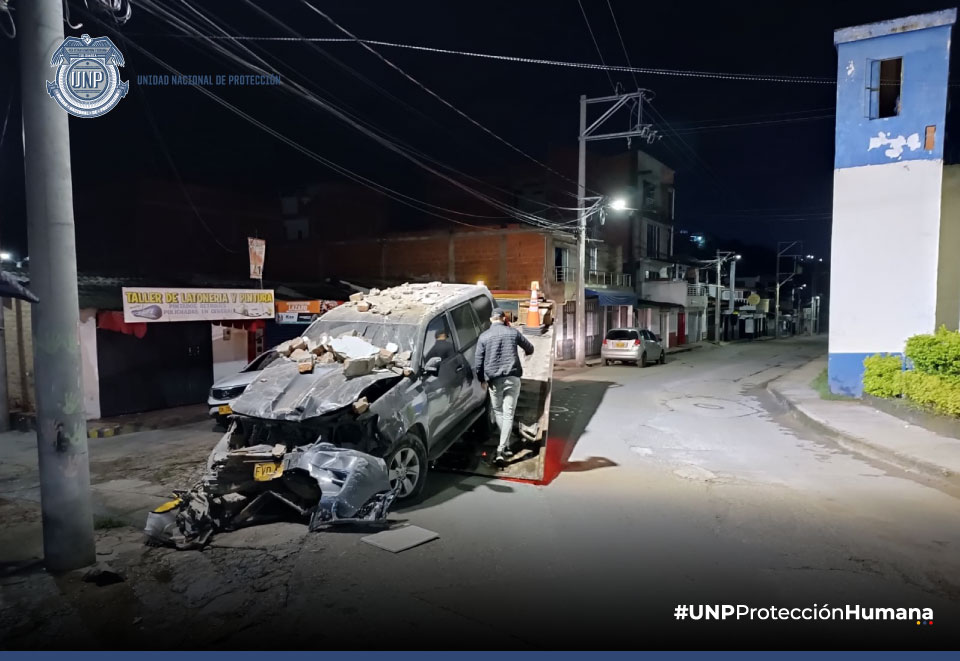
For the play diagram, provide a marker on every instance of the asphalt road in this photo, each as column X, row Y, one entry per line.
column 684, row 485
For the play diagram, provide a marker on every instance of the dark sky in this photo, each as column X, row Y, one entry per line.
column 760, row 182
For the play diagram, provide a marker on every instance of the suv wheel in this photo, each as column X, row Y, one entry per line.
column 407, row 466
column 643, row 360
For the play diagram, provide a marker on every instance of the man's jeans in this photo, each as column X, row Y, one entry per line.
column 504, row 392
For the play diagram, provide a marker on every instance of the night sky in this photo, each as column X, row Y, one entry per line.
column 756, row 183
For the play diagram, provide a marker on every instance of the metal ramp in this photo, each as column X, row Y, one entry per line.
column 472, row 454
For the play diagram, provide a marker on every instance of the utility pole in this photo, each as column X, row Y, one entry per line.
column 61, row 425
column 581, row 314
column 636, row 129
column 782, row 252
column 719, row 303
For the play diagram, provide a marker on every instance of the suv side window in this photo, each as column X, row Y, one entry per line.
column 484, row 308
column 465, row 323
column 647, row 335
column 438, row 341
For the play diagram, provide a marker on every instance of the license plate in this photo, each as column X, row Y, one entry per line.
column 621, row 345
column 225, row 410
column 267, row 471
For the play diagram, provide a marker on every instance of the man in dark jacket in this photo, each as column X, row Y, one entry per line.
column 498, row 369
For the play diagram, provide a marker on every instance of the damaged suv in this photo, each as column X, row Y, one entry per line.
column 408, row 404
column 372, row 392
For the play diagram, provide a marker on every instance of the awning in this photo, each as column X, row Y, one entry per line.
column 613, row 297
column 644, row 302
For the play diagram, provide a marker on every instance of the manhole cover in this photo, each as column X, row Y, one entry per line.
column 710, row 407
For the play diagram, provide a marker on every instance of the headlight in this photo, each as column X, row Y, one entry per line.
column 227, row 393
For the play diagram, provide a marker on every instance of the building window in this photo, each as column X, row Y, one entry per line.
column 653, row 240
column 593, row 259
column 883, row 90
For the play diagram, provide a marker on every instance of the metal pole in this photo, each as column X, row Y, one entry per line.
column 776, row 307
column 4, row 403
column 716, row 308
column 61, row 426
column 581, row 316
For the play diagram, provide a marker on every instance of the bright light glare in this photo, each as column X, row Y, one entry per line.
column 737, row 256
column 5, row 256
column 618, row 204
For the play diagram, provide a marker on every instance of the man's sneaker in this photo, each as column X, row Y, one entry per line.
column 506, row 453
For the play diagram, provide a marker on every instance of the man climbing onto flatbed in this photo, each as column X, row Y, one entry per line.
column 498, row 369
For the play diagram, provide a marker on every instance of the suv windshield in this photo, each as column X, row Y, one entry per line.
column 262, row 361
column 623, row 335
column 374, row 332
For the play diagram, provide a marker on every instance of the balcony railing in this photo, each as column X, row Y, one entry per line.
column 696, row 290
column 597, row 278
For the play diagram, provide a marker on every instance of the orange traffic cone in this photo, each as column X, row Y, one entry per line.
column 533, row 314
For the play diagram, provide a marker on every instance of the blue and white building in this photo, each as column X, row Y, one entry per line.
column 896, row 206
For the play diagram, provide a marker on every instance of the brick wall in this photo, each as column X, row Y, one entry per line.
column 503, row 259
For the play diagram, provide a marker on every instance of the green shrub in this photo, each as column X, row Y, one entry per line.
column 936, row 354
column 933, row 391
column 883, row 376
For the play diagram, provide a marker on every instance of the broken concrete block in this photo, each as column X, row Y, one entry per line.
column 392, row 347
column 317, row 349
column 305, row 366
column 326, row 359
column 356, row 298
column 298, row 355
column 359, row 366
column 284, row 348
column 384, row 358
column 363, row 306
column 353, row 347
column 298, row 343
column 374, row 292
column 407, row 372
column 102, row 574
column 361, row 405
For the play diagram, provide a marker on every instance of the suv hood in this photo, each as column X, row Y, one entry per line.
column 238, row 379
column 281, row 392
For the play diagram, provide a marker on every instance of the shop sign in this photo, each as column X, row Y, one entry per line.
column 302, row 312
column 258, row 250
column 149, row 304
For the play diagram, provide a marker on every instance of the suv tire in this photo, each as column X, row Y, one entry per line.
column 407, row 461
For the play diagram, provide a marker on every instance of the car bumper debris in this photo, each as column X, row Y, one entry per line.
column 320, row 484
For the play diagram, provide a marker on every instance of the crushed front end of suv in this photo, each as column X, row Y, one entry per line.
column 348, row 422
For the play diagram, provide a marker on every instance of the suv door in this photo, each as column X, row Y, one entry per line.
column 444, row 388
column 468, row 329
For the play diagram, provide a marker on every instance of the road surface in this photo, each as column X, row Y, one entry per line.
column 685, row 485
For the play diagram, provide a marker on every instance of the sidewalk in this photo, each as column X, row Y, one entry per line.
column 864, row 429
column 127, row 424
column 594, row 361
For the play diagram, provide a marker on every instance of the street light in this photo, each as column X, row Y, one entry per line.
column 724, row 256
column 618, row 204
column 601, row 204
column 6, row 256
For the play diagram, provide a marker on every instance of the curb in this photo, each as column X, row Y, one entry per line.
column 28, row 422
column 864, row 447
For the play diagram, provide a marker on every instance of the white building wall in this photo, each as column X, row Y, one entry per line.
column 88, row 363
column 886, row 223
column 229, row 351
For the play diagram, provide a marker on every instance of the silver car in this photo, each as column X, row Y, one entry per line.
column 226, row 390
column 632, row 345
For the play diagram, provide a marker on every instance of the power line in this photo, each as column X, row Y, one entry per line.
column 431, row 92
column 700, row 129
column 654, row 71
column 160, row 13
column 626, row 55
column 597, row 46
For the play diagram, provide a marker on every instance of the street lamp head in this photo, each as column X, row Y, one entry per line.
column 618, row 204
column 6, row 256
column 737, row 256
